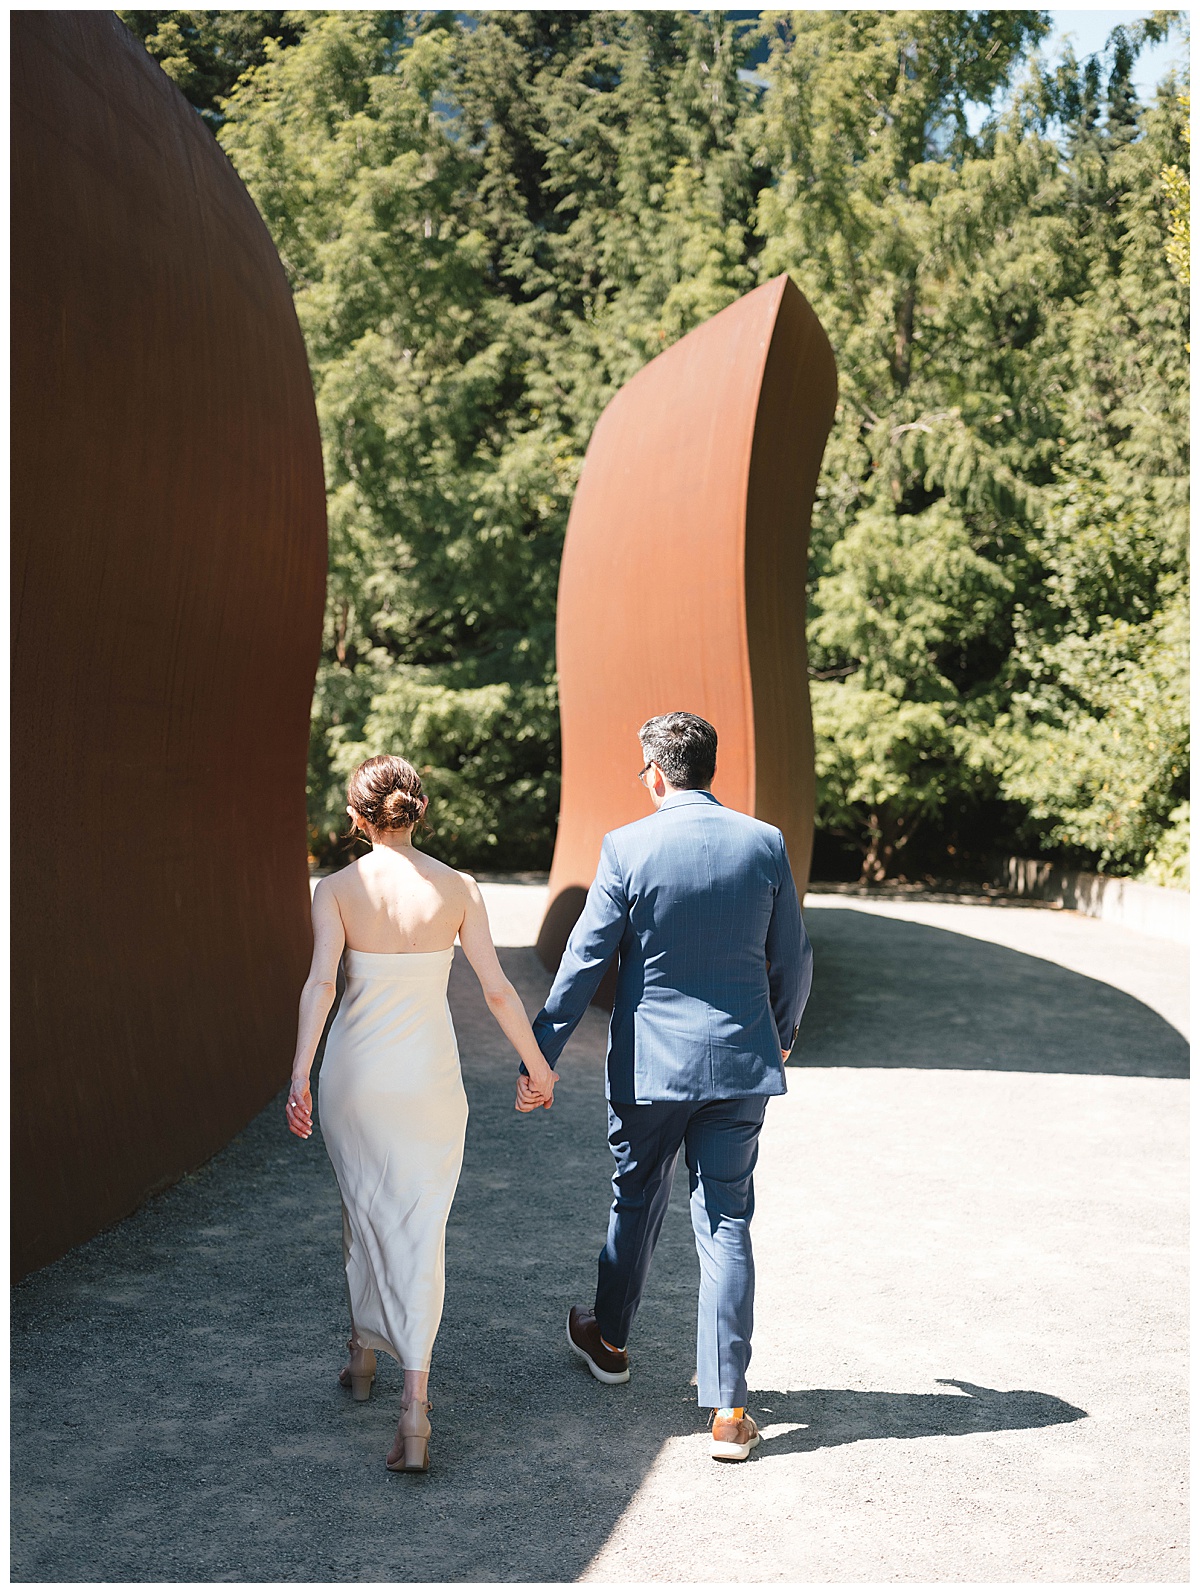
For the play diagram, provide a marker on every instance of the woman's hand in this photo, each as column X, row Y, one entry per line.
column 536, row 1090
column 299, row 1108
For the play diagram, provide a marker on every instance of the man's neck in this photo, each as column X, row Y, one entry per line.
column 678, row 790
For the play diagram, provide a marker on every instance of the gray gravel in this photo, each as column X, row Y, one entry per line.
column 969, row 1358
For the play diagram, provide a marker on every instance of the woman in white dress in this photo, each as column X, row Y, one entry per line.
column 393, row 1109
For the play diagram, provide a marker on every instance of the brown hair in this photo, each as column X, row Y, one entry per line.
column 386, row 792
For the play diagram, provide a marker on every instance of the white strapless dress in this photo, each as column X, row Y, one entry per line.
column 393, row 1114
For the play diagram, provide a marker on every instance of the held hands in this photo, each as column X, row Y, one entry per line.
column 299, row 1109
column 536, row 1090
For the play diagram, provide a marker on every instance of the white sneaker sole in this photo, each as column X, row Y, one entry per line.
column 727, row 1451
column 597, row 1372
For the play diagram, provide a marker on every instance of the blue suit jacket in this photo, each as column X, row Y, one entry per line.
column 714, row 962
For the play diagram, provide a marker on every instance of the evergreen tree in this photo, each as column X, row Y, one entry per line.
column 1010, row 350
column 205, row 52
column 491, row 223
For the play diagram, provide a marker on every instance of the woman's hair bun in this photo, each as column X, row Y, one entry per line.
column 386, row 793
column 401, row 807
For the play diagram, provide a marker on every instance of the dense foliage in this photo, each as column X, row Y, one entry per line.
column 491, row 225
column 205, row 52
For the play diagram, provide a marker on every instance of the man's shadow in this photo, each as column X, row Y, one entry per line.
column 822, row 1418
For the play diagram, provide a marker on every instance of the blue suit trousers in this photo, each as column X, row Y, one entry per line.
column 720, row 1142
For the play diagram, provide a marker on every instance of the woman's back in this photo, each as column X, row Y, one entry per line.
column 393, row 1108
column 399, row 900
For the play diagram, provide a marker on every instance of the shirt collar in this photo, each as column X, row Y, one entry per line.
column 679, row 799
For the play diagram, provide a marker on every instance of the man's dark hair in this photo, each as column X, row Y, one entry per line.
column 685, row 748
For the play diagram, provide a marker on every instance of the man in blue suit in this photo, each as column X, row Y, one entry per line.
column 714, row 969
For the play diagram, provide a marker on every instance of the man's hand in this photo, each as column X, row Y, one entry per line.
column 531, row 1096
column 786, row 1054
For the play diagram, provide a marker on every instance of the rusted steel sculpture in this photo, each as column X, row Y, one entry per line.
column 168, row 544
column 683, row 581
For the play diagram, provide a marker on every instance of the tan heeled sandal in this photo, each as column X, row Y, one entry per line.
column 413, row 1432
column 359, row 1383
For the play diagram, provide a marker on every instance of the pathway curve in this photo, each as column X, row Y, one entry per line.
column 969, row 1357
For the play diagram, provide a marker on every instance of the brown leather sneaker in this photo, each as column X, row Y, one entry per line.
column 732, row 1440
column 583, row 1335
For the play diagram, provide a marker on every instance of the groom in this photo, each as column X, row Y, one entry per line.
column 714, row 971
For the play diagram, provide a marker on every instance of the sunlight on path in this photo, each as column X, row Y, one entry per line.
column 1024, row 1235
column 971, row 1305
column 969, row 1353
column 515, row 912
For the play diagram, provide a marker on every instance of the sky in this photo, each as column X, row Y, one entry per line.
column 1088, row 31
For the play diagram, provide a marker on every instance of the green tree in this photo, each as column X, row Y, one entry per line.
column 1009, row 346
column 1177, row 185
column 446, row 490
column 1094, row 740
column 910, row 603
column 472, row 290
column 204, row 53
column 490, row 223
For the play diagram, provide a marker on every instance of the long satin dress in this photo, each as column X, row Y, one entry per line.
column 393, row 1114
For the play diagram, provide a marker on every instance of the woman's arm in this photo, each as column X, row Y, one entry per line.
column 320, row 988
column 475, row 936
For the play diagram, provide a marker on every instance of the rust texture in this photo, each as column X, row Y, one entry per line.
column 683, row 581
column 168, row 547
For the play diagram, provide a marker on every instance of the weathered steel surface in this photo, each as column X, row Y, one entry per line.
column 683, row 580
column 168, row 544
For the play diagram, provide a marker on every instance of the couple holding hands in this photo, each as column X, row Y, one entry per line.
column 714, row 969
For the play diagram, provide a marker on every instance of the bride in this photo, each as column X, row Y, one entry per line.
column 392, row 1105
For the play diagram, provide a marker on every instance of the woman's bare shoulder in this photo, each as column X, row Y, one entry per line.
column 452, row 881
column 327, row 906
column 334, row 884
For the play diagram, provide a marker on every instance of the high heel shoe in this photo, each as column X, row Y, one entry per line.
column 410, row 1452
column 358, row 1382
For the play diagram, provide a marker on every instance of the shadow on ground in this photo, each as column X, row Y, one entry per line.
column 821, row 1418
column 176, row 1415
column 889, row 993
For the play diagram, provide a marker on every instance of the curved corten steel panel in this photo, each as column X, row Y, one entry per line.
column 168, row 581
column 683, row 580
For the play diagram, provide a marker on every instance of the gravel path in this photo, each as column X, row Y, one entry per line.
column 969, row 1357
